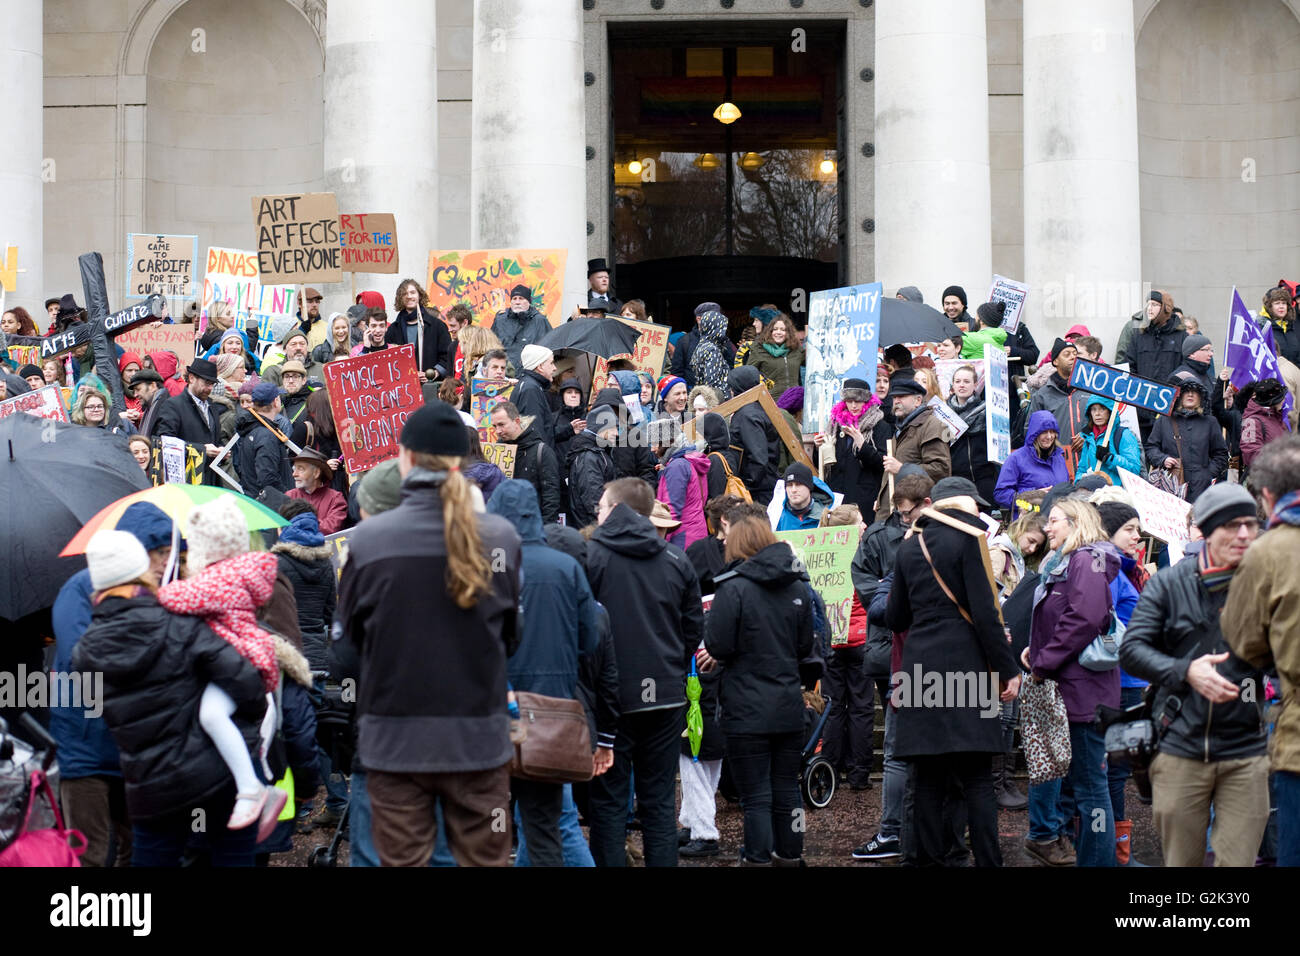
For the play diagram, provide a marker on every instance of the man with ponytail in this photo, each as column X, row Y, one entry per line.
column 428, row 599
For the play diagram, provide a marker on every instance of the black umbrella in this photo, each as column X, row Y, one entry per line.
column 53, row 478
column 909, row 322
column 605, row 338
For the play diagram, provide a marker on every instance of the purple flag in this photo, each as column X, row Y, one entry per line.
column 1251, row 352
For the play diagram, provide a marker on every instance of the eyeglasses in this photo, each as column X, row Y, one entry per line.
column 1233, row 527
column 906, row 513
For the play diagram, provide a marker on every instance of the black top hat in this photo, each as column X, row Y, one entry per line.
column 68, row 306
column 596, row 265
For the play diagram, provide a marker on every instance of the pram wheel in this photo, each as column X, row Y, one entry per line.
column 322, row 856
column 819, row 782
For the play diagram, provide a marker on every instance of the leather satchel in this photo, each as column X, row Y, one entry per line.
column 556, row 744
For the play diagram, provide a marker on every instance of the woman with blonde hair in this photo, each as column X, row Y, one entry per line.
column 339, row 343
column 475, row 342
column 702, row 398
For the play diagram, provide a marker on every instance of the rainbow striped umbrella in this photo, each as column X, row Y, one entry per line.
column 176, row 501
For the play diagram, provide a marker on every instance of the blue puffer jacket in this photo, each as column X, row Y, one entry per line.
column 86, row 747
column 1025, row 469
column 557, row 610
column 1125, row 449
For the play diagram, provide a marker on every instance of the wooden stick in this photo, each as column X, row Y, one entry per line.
column 889, row 450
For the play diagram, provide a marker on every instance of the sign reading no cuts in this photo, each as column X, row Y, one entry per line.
column 1123, row 386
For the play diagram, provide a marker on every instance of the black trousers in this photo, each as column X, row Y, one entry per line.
column 648, row 742
column 935, row 775
column 847, row 737
column 539, row 813
column 766, row 770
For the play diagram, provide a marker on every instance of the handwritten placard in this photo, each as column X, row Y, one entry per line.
column 1013, row 294
column 485, row 395
column 647, row 356
column 298, row 238
column 997, row 404
column 1163, row 515
column 338, row 545
column 483, row 278
column 369, row 242
column 161, row 264
column 231, row 277
column 826, row 554
column 178, row 338
column 43, row 402
column 502, row 455
column 843, row 326
column 371, row 397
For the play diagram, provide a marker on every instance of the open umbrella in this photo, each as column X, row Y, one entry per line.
column 176, row 501
column 53, row 478
column 907, row 322
column 604, row 338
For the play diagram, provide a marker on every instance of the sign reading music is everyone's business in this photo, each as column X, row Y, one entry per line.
column 371, row 397
column 1122, row 386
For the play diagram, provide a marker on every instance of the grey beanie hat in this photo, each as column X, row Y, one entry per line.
column 1221, row 503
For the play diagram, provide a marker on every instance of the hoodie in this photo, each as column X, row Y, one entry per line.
column 1259, row 426
column 754, row 438
column 165, row 364
column 717, row 447
column 683, row 487
column 972, row 343
column 1125, row 451
column 822, row 498
column 1025, row 469
column 710, row 362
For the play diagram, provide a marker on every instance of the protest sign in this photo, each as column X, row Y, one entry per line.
column 944, row 369
column 1013, row 294
column 22, row 355
column 369, row 242
column 338, row 545
column 160, row 264
column 371, row 397
column 231, row 277
column 80, row 334
column 298, row 238
column 1251, row 352
column 485, row 395
column 178, row 338
column 997, row 404
column 956, row 424
column 843, row 325
column 1121, row 386
column 826, row 554
column 483, row 278
column 1163, row 515
column 647, row 356
column 500, row 454
column 44, row 402
column 9, row 271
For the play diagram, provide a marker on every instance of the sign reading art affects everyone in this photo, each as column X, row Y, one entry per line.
column 826, row 554
column 371, row 397
column 843, row 326
column 483, row 278
column 1121, row 386
column 161, row 264
column 298, row 238
column 44, row 402
column 369, row 242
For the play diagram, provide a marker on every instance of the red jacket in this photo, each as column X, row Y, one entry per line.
column 330, row 506
column 1259, row 426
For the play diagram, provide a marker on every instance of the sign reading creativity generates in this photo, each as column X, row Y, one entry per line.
column 161, row 264
column 371, row 397
column 44, row 402
column 1110, row 382
column 231, row 277
column 997, row 404
column 298, row 238
column 826, row 554
column 483, row 278
column 369, row 242
column 1013, row 294
column 843, row 325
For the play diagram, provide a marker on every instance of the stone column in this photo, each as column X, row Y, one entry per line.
column 22, row 77
column 381, row 124
column 933, row 218
column 528, row 184
column 1083, row 227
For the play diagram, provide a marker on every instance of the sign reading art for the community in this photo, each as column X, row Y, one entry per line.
column 1121, row 386
column 231, row 277
column 369, row 241
column 44, row 402
column 826, row 554
column 843, row 325
column 298, row 238
column 501, row 454
column 178, row 338
column 483, row 278
column 371, row 397
column 161, row 264
column 647, row 356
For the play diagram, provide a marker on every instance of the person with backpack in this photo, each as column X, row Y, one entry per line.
column 724, row 466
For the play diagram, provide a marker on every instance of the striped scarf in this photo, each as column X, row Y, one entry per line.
column 1216, row 580
column 1287, row 510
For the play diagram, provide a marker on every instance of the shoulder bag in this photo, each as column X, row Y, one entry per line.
column 556, row 740
column 1164, row 478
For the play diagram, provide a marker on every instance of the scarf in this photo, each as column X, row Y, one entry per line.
column 1215, row 580
column 841, row 415
column 1287, row 510
column 776, row 351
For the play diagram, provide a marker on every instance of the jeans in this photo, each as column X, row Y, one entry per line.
column 336, row 785
column 362, row 847
column 162, row 841
column 647, row 740
column 766, row 771
column 891, row 804
column 576, row 851
column 537, row 808
column 1046, row 815
column 847, row 743
column 935, row 813
column 1087, row 778
column 1117, row 773
column 1286, row 789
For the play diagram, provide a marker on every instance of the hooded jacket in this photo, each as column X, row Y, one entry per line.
column 972, row 343
column 683, row 486
column 591, row 467
column 1054, row 397
column 717, row 446
column 557, row 610
column 515, row 330
column 754, row 438
column 155, row 666
column 822, row 498
column 1194, row 438
column 529, row 396
column 535, row 463
column 1286, row 335
column 760, row 627
column 711, row 360
column 1025, row 469
column 659, row 621
column 1125, row 451
column 260, row 456
column 165, row 364
column 431, row 699
column 304, row 558
column 1259, row 426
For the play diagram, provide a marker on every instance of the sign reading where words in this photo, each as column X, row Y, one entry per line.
column 500, row 454
column 161, row 264
column 369, row 242
column 483, row 278
column 371, row 397
column 1123, row 386
column 826, row 554
column 45, row 402
column 843, row 325
column 298, row 238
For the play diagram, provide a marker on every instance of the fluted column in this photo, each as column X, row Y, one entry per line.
column 22, row 78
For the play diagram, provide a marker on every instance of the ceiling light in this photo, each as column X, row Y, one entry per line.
column 727, row 113
column 827, row 166
column 706, row 161
column 634, row 167
column 751, row 161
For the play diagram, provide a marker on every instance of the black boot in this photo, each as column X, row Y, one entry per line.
column 1009, row 797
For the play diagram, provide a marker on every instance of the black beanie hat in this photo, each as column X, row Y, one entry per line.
column 1114, row 515
column 956, row 290
column 28, row 370
column 1267, row 393
column 436, row 429
column 1059, row 346
column 992, row 313
column 522, row 290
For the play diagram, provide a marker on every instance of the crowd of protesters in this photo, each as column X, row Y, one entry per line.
column 636, row 545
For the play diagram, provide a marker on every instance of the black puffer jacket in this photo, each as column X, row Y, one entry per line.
column 754, row 438
column 760, row 627
column 155, row 666
column 529, row 396
column 1193, row 437
column 1154, row 353
column 312, row 575
column 1176, row 621
column 535, row 463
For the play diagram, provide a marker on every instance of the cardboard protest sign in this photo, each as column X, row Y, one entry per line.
column 371, row 397
column 9, row 270
column 160, row 264
column 1163, row 515
column 761, row 395
column 826, row 554
column 1251, row 352
column 338, row 545
column 484, row 396
column 500, row 454
column 44, row 402
column 1013, row 294
column 483, row 278
column 945, row 369
column 843, row 325
column 1121, row 386
column 956, row 424
column 178, row 338
column 231, row 277
column 997, row 404
column 298, row 238
column 369, row 241
column 647, row 356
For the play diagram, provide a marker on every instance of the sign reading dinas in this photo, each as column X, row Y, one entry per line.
column 1123, row 386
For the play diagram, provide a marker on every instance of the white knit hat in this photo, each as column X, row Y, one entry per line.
column 215, row 531
column 115, row 557
column 534, row 355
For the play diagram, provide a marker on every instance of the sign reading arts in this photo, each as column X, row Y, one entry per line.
column 826, row 554
column 371, row 397
column 161, row 264
column 1122, row 386
column 298, row 238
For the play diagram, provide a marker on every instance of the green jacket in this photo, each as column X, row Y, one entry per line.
column 782, row 372
column 972, row 343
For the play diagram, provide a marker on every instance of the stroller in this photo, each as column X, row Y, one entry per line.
column 817, row 777
column 31, row 829
column 336, row 733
